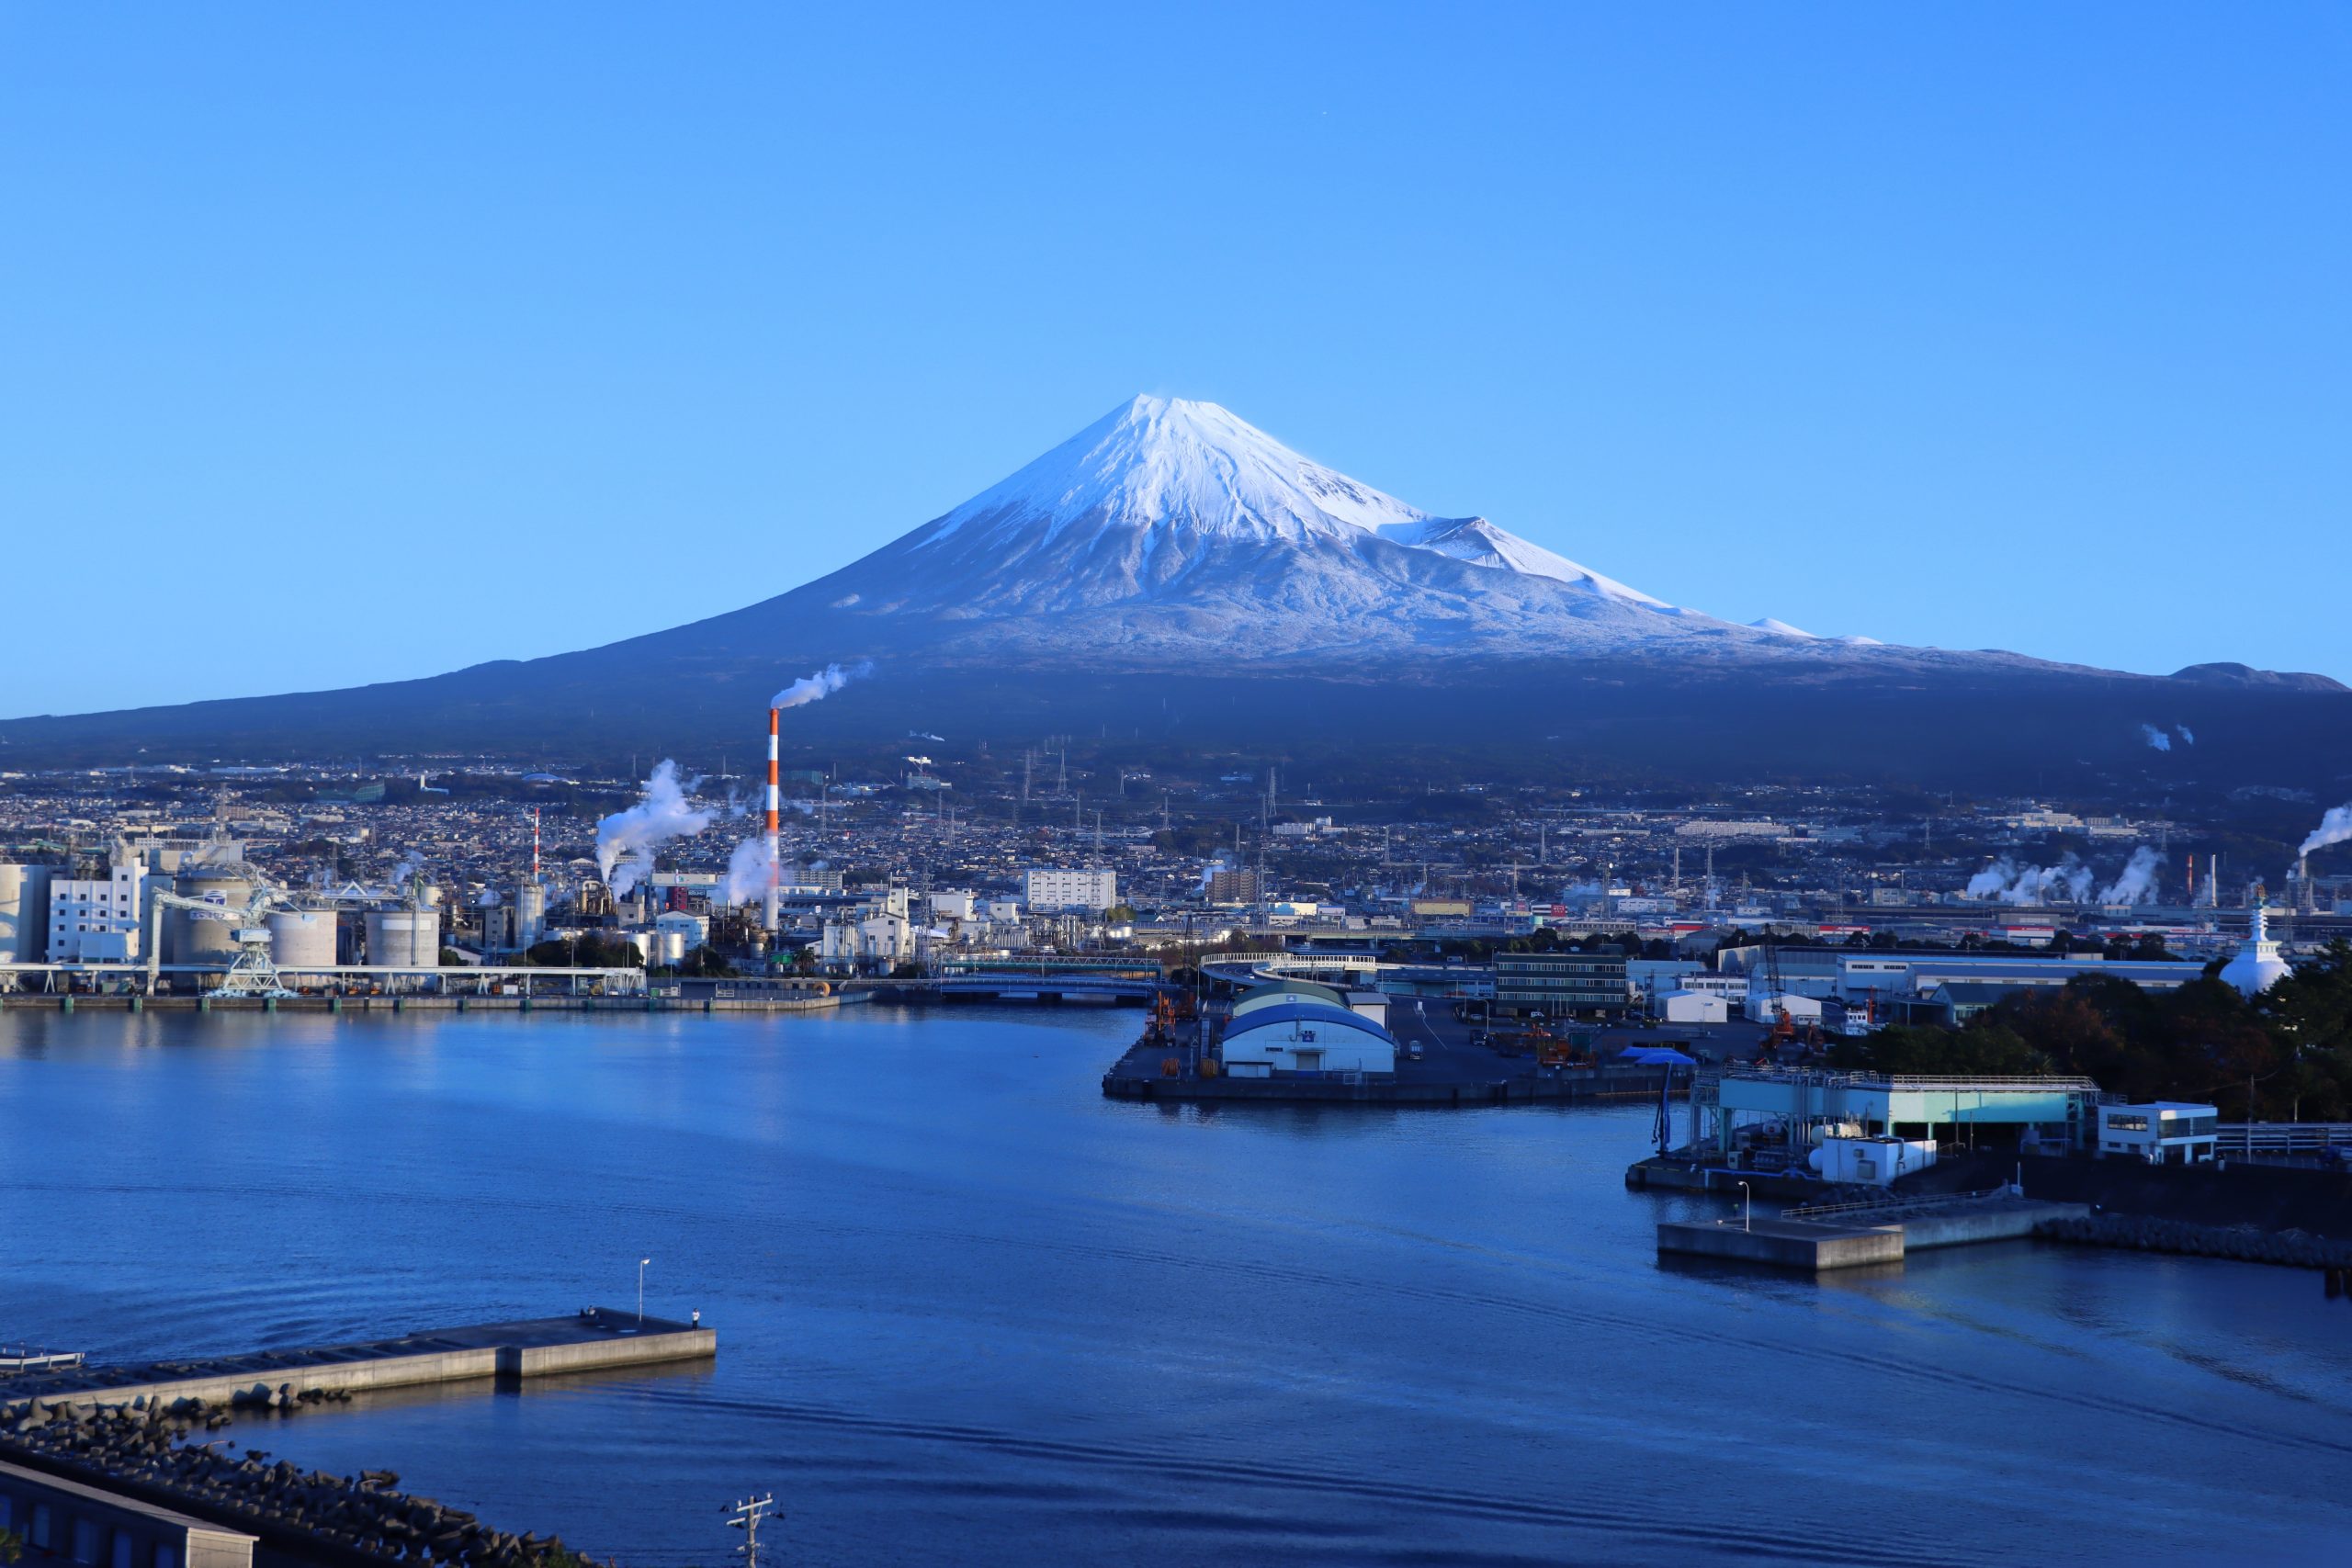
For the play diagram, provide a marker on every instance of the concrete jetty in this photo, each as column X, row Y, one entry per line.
column 1847, row 1235
column 594, row 1337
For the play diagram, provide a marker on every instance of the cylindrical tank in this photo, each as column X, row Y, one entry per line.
column 407, row 937
column 302, row 939
column 191, row 937
column 24, row 914
column 677, row 933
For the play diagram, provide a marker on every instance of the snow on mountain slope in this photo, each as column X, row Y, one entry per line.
column 1480, row 542
column 1169, row 531
column 1168, row 462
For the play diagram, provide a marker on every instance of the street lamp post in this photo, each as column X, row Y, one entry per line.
column 641, row 1290
column 1747, row 1205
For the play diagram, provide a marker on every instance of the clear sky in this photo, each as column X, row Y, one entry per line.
column 342, row 343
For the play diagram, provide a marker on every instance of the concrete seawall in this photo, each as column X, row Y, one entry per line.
column 598, row 1337
column 1859, row 1235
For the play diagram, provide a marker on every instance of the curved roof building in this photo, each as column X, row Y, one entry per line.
column 1276, row 1031
column 1276, row 991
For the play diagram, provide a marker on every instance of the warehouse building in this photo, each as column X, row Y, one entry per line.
column 1297, row 1029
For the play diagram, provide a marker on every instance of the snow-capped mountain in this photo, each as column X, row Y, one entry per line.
column 1174, row 576
column 1169, row 528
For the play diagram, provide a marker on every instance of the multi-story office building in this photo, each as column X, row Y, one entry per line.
column 1559, row 985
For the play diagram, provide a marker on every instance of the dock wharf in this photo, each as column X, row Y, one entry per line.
column 64, row 1002
column 594, row 1337
column 1822, row 1237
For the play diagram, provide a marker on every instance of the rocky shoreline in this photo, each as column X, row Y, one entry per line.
column 2141, row 1233
column 142, row 1449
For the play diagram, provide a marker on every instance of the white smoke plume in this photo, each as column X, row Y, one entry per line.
column 2008, row 882
column 747, row 870
column 822, row 685
column 2138, row 882
column 2334, row 829
column 626, row 840
column 2188, row 735
column 405, row 871
column 2156, row 738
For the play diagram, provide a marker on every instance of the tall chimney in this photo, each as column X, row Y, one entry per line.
column 775, row 804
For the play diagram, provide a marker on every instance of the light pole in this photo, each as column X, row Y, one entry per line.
column 1747, row 1205
column 641, row 1290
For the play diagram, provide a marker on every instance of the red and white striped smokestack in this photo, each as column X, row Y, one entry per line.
column 535, row 843
column 775, row 804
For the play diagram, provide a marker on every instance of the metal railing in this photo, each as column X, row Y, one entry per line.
column 1907, row 1082
column 2281, row 1137
column 1888, row 1205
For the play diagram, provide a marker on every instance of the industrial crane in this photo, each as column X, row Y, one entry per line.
column 253, row 972
column 1784, row 1028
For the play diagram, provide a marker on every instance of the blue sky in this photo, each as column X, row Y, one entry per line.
column 412, row 336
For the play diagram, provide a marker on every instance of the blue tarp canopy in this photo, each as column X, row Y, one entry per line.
column 1656, row 1056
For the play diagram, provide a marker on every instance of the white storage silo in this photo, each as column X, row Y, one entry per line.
column 24, row 914
column 191, row 936
column 302, row 939
column 677, row 933
column 404, row 938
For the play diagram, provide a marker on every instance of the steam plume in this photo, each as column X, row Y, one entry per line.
column 2334, row 829
column 2156, row 738
column 2009, row 883
column 2138, row 882
column 626, row 840
column 747, row 870
column 2188, row 735
column 822, row 685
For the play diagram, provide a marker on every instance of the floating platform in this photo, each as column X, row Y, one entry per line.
column 1863, row 1233
column 593, row 1338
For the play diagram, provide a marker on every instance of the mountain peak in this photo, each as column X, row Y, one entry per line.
column 1159, row 462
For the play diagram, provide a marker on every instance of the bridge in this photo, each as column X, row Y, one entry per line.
column 1131, row 987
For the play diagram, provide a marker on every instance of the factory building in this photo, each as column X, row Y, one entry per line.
column 1050, row 887
column 97, row 918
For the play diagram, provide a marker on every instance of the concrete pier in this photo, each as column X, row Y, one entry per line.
column 1784, row 1243
column 1862, row 1233
column 596, row 1338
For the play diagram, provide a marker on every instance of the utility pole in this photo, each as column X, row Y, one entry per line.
column 746, row 1516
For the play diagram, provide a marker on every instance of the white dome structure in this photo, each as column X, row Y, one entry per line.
column 2257, row 967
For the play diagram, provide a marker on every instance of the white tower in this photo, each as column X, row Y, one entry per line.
column 2257, row 965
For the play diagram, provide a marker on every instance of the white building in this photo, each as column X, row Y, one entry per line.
column 1297, row 1028
column 1765, row 1007
column 97, row 919
column 952, row 905
column 1050, row 887
column 1693, row 1006
column 1872, row 1161
column 2162, row 1132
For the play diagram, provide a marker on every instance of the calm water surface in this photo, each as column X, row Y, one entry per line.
column 971, row 1313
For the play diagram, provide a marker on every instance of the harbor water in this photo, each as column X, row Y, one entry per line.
column 971, row 1312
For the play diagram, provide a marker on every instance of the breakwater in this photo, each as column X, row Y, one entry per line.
column 2144, row 1233
column 125, row 1428
column 593, row 1338
column 140, row 1450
